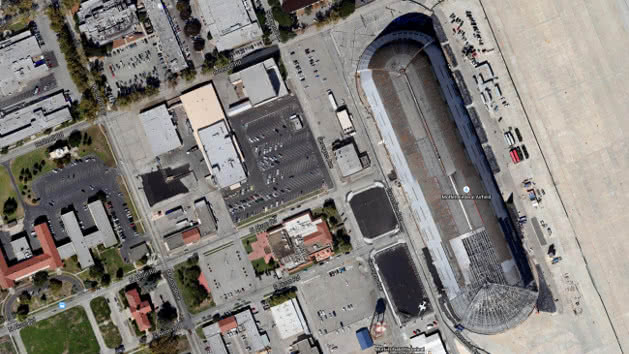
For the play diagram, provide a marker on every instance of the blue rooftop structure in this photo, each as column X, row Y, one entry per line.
column 364, row 338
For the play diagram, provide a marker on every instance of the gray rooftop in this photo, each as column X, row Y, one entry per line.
column 76, row 236
column 174, row 241
column 102, row 223
column 347, row 159
column 32, row 119
column 18, row 58
column 232, row 23
column 160, row 130
column 206, row 219
column 21, row 249
column 227, row 168
column 103, row 21
column 138, row 251
column 214, row 339
column 169, row 43
column 247, row 325
column 262, row 82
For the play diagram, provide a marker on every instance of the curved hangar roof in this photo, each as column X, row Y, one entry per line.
column 484, row 304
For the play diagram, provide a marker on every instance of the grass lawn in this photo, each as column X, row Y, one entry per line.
column 67, row 332
column 37, row 302
column 6, row 191
column 101, row 309
column 6, row 346
column 130, row 203
column 111, row 335
column 260, row 266
column 71, row 265
column 99, row 147
column 112, row 260
column 27, row 161
column 247, row 241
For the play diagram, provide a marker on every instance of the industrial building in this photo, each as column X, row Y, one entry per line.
column 493, row 294
column 347, row 158
column 49, row 259
column 169, row 43
column 33, row 118
column 225, row 162
column 256, row 85
column 289, row 319
column 21, row 62
column 160, row 130
column 233, row 24
column 240, row 332
column 104, row 21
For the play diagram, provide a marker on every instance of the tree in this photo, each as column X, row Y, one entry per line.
column 199, row 44
column 40, row 278
column 192, row 28
column 55, row 285
column 347, row 8
column 164, row 345
column 75, row 138
column 97, row 270
column 105, row 280
column 10, row 206
column 166, row 314
column 283, row 19
column 185, row 13
column 119, row 273
column 25, row 297
column 22, row 311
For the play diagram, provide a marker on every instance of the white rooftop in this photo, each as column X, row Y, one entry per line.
column 348, row 160
column 288, row 319
column 226, row 166
column 102, row 223
column 102, row 22
column 300, row 226
column 21, row 249
column 431, row 344
column 160, row 130
column 262, row 82
column 18, row 57
column 232, row 23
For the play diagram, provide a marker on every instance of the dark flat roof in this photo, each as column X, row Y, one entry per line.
column 374, row 213
column 157, row 189
column 401, row 279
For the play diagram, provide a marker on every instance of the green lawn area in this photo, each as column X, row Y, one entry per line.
column 6, row 346
column 101, row 309
column 99, row 147
column 112, row 260
column 71, row 265
column 6, row 191
column 247, row 241
column 111, row 335
column 260, row 266
column 67, row 332
column 26, row 162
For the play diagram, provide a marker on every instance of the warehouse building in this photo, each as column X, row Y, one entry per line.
column 21, row 62
column 289, row 320
column 160, row 130
column 257, row 85
column 33, row 118
column 224, row 159
column 232, row 23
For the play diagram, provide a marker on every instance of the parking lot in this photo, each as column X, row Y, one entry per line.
column 282, row 158
column 73, row 186
column 134, row 63
column 228, row 271
column 355, row 297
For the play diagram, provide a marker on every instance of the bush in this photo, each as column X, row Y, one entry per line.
column 55, row 285
column 10, row 206
column 199, row 44
column 75, row 138
column 346, row 8
column 40, row 278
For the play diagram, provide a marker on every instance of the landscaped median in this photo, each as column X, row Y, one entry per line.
column 108, row 329
column 67, row 332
